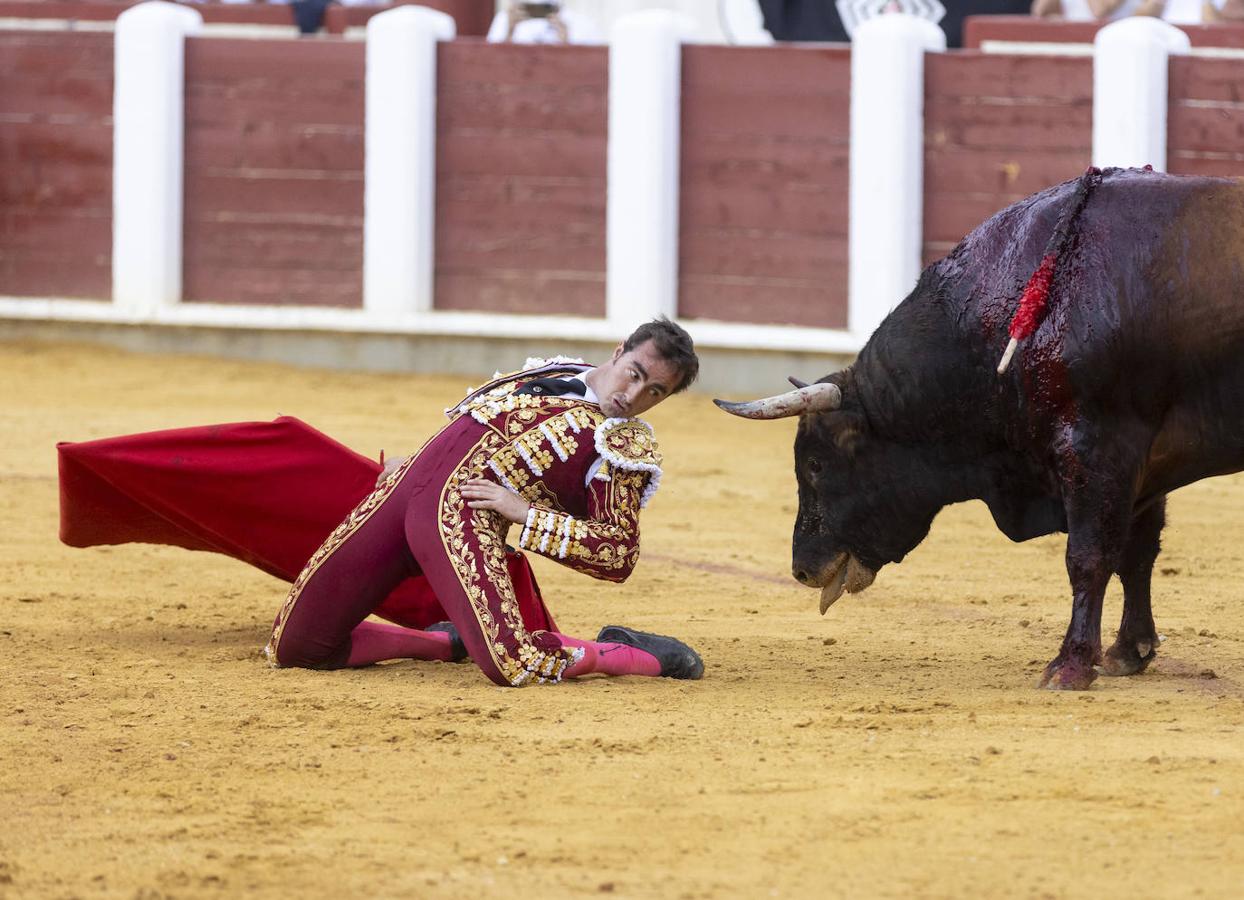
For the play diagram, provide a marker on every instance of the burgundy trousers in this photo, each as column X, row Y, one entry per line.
column 417, row 522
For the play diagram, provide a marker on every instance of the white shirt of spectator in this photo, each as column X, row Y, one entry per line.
column 1187, row 12
column 1179, row 12
column 1078, row 10
column 853, row 13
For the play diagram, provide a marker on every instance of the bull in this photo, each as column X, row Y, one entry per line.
column 1127, row 384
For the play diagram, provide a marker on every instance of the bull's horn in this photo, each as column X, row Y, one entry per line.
column 819, row 397
column 797, row 382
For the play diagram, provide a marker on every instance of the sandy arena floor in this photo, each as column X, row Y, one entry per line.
column 896, row 747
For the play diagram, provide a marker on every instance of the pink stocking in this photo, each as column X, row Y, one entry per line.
column 371, row 642
column 610, row 659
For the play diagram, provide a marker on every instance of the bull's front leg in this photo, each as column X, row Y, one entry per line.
column 1137, row 643
column 1097, row 494
column 1089, row 570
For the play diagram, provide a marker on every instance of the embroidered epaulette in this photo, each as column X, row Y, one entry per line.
column 501, row 383
column 536, row 362
column 629, row 444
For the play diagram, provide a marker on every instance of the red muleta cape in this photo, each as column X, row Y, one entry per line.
column 267, row 493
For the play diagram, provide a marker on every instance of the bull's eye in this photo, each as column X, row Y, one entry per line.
column 814, row 466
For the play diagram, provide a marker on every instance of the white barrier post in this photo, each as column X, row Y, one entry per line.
column 148, row 112
column 641, row 221
column 1130, row 59
column 399, row 189
column 886, row 203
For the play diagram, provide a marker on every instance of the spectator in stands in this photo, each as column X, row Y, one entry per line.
column 952, row 23
column 542, row 22
column 309, row 15
column 1227, row 11
column 1180, row 12
column 1086, row 10
column 819, row 20
column 1194, row 12
column 803, row 20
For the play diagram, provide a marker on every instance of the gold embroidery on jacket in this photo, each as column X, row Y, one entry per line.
column 614, row 552
column 605, row 549
column 475, row 571
column 629, row 444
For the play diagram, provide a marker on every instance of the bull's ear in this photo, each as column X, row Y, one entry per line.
column 849, row 432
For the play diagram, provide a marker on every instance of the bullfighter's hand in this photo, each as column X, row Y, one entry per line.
column 389, row 466
column 481, row 493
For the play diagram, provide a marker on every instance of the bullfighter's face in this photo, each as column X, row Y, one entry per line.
column 633, row 381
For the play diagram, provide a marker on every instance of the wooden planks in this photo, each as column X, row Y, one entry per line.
column 472, row 17
column 998, row 128
column 763, row 215
column 1002, row 30
column 56, row 159
column 1205, row 117
column 274, row 172
column 520, row 186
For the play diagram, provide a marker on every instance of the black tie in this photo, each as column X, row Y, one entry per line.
column 554, row 387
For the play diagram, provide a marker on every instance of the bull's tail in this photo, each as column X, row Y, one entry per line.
column 1034, row 302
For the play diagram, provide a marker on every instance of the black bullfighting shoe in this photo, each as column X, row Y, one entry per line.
column 676, row 658
column 457, row 649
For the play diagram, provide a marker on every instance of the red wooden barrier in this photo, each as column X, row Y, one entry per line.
column 1026, row 29
column 274, row 168
column 471, row 16
column 520, row 189
column 1205, row 118
column 56, row 160
column 274, row 172
column 763, row 219
column 998, row 128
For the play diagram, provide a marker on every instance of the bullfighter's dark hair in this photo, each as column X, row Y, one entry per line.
column 672, row 344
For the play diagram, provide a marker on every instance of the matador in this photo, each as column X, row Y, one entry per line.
column 556, row 448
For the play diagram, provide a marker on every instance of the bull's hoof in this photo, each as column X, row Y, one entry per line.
column 1128, row 657
column 1067, row 675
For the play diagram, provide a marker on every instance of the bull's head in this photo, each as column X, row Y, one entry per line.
column 858, row 505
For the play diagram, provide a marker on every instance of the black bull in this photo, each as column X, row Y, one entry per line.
column 1132, row 385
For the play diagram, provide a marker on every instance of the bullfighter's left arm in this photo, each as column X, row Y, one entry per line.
column 605, row 543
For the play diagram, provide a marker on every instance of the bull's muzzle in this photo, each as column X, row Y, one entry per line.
column 842, row 573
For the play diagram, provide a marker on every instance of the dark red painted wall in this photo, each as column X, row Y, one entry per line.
column 1026, row 29
column 472, row 17
column 55, row 164
column 274, row 172
column 996, row 129
column 763, row 218
column 520, row 182
column 1205, row 117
